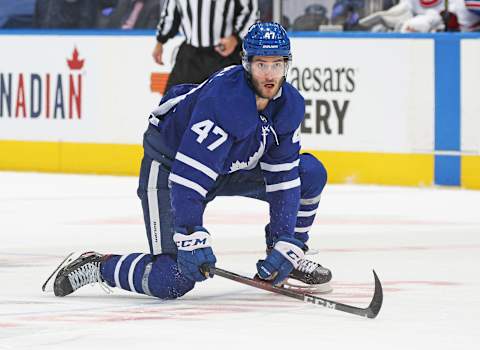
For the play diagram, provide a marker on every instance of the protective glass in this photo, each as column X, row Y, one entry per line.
column 274, row 69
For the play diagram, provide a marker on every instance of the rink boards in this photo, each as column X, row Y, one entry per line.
column 381, row 109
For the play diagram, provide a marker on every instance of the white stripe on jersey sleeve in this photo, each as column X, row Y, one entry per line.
column 283, row 185
column 188, row 183
column 279, row 167
column 196, row 165
column 169, row 104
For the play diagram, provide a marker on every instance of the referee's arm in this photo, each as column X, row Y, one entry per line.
column 169, row 22
column 246, row 14
column 167, row 28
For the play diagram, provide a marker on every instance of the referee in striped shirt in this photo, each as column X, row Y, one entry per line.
column 212, row 31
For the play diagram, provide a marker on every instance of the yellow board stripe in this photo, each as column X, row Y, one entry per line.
column 378, row 168
column 117, row 159
column 101, row 158
column 70, row 157
column 470, row 174
column 30, row 156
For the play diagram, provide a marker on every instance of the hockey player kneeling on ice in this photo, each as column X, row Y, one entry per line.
column 237, row 133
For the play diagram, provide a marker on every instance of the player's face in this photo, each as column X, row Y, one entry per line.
column 267, row 75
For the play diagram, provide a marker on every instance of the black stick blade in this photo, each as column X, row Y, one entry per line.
column 377, row 300
column 371, row 311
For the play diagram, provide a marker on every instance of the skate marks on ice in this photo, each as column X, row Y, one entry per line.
column 370, row 249
column 90, row 306
column 123, row 307
column 25, row 260
column 226, row 218
column 359, row 293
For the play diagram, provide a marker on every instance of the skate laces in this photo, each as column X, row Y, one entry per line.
column 88, row 273
column 307, row 266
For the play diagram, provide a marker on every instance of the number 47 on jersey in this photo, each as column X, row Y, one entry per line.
column 203, row 128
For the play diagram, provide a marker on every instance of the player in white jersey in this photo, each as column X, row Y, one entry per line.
column 420, row 16
column 467, row 13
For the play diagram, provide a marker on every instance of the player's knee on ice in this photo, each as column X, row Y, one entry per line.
column 155, row 275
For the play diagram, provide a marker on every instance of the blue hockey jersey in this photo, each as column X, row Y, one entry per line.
column 215, row 129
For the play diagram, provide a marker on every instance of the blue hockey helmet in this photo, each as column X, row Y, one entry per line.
column 265, row 39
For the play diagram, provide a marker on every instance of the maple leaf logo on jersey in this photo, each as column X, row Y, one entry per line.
column 255, row 157
column 251, row 162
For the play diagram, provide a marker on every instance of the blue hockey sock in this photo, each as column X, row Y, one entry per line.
column 155, row 275
column 305, row 218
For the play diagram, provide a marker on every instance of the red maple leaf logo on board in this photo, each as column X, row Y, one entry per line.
column 75, row 63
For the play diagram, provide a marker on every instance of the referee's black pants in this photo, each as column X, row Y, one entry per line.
column 194, row 65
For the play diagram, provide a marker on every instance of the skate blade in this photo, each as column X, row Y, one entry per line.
column 48, row 285
column 299, row 287
column 312, row 251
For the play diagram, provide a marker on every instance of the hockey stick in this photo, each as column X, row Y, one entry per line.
column 371, row 311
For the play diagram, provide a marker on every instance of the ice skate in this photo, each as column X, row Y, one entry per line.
column 76, row 271
column 310, row 277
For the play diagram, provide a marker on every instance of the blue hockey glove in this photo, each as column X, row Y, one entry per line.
column 194, row 252
column 282, row 259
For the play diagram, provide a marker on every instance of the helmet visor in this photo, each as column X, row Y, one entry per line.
column 275, row 69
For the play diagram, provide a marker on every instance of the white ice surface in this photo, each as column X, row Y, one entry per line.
column 423, row 243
